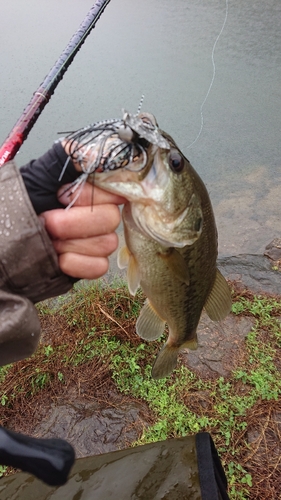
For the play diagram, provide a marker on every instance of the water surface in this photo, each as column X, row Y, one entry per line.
column 163, row 49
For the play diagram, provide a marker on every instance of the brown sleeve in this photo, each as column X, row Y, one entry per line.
column 28, row 261
column 28, row 268
column 19, row 328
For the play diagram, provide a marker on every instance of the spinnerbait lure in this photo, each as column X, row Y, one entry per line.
column 112, row 144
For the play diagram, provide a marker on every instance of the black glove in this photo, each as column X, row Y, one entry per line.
column 42, row 178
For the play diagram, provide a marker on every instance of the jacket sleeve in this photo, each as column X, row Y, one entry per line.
column 19, row 328
column 29, row 270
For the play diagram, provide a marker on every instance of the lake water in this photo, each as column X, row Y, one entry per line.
column 163, row 49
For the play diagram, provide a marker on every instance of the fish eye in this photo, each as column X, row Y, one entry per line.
column 176, row 162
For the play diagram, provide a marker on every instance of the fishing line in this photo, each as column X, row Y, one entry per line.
column 213, row 77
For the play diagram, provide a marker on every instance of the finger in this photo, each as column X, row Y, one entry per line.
column 83, row 267
column 90, row 195
column 97, row 246
column 81, row 222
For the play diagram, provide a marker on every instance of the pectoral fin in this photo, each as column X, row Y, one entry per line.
column 133, row 275
column 176, row 264
column 218, row 303
column 123, row 257
column 165, row 362
column 126, row 259
column 149, row 325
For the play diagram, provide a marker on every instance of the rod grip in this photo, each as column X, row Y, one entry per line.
column 48, row 459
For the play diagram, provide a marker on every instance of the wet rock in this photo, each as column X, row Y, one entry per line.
column 252, row 272
column 219, row 345
column 93, row 430
column 273, row 249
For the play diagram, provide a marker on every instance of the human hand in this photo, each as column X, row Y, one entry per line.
column 84, row 236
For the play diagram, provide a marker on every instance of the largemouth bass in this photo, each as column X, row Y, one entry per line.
column 170, row 235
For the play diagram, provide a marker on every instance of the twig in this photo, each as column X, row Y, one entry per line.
column 114, row 320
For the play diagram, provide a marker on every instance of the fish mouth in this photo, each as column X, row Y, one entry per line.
column 119, row 155
column 145, row 185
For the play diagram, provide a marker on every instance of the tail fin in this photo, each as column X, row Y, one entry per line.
column 165, row 362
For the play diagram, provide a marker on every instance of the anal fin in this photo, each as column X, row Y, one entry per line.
column 218, row 303
column 149, row 325
column 191, row 344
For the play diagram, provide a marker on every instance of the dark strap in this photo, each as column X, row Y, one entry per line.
column 212, row 478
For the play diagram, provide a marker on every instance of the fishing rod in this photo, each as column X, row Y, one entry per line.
column 44, row 92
